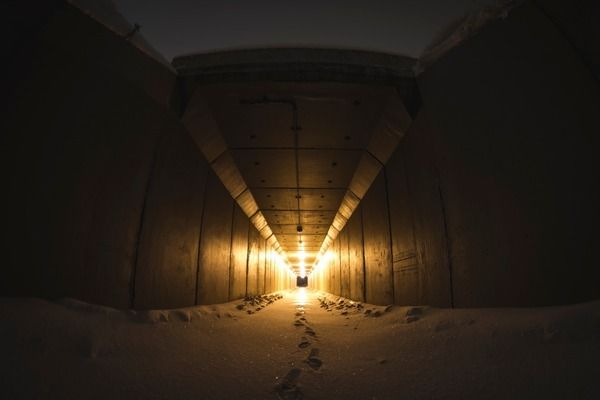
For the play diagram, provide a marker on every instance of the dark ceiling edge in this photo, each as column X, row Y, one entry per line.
column 297, row 65
column 401, row 65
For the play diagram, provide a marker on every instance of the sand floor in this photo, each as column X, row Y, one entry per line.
column 298, row 344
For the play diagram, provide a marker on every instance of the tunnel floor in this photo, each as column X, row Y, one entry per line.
column 303, row 345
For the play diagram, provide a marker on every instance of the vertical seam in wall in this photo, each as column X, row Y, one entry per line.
column 265, row 285
column 139, row 233
column 250, row 226
column 413, row 224
column 390, row 243
column 341, row 266
column 339, row 240
column 412, row 206
column 447, row 239
column 362, row 238
column 265, row 271
column 230, row 283
column 200, row 235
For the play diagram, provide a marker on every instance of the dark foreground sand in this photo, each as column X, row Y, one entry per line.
column 304, row 345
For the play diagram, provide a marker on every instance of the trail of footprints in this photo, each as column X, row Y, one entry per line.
column 288, row 389
column 313, row 359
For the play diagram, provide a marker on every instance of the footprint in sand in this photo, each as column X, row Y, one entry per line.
column 288, row 388
column 304, row 342
column 313, row 359
column 310, row 331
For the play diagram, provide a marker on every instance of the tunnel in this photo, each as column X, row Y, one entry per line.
column 301, row 222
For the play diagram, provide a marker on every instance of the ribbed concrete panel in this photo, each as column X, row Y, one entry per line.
column 199, row 118
column 338, row 222
column 344, row 264
column 239, row 254
column 310, row 199
column 356, row 256
column 348, row 204
column 333, row 233
column 266, row 167
column 327, row 168
column 250, row 125
column 262, row 249
column 254, row 240
column 365, row 174
column 406, row 264
column 307, row 229
column 266, row 232
column 201, row 124
column 225, row 168
column 307, row 240
column 378, row 252
column 326, row 243
column 332, row 116
column 306, row 217
column 407, row 285
column 340, row 116
column 273, row 272
column 309, row 249
column 401, row 209
column 329, row 273
column 320, row 199
column 268, row 270
column 259, row 221
column 335, row 266
column 424, row 183
column 391, row 126
column 247, row 203
column 215, row 244
column 168, row 249
column 276, row 199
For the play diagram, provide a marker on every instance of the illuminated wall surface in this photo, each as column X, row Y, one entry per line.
column 133, row 183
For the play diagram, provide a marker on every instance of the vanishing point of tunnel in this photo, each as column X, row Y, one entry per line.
column 302, row 222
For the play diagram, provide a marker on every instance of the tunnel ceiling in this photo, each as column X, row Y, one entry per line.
column 297, row 153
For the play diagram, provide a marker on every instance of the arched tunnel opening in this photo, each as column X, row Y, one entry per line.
column 301, row 222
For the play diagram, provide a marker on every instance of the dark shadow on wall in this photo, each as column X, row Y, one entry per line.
column 108, row 198
column 492, row 194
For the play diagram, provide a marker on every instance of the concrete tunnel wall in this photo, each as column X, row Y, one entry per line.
column 491, row 198
column 108, row 199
